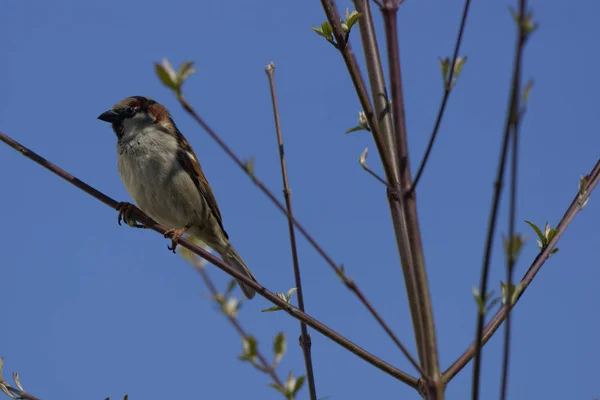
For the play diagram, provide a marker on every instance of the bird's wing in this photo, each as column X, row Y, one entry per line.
column 188, row 160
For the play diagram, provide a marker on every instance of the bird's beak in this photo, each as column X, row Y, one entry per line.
column 110, row 116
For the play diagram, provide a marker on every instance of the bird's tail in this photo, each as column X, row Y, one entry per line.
column 231, row 257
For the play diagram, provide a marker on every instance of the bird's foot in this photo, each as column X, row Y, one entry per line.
column 125, row 210
column 175, row 235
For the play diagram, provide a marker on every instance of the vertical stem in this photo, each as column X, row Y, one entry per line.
column 305, row 341
column 511, row 119
column 404, row 213
column 513, row 209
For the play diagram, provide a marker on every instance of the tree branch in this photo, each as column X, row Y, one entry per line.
column 447, row 89
column 404, row 215
column 500, row 316
column 511, row 119
column 270, row 296
column 305, row 341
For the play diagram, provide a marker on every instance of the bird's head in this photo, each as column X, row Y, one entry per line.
column 136, row 113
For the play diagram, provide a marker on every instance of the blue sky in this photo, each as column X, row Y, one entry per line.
column 93, row 310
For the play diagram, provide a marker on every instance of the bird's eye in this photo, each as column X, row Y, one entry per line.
column 130, row 112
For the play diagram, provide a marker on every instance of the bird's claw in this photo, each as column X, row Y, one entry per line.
column 175, row 235
column 125, row 210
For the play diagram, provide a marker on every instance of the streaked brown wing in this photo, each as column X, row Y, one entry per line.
column 188, row 160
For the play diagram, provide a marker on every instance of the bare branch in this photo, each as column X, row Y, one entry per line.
column 404, row 214
column 493, row 325
column 447, row 89
column 511, row 119
column 305, row 341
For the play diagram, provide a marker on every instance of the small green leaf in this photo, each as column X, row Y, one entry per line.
column 479, row 301
column 536, row 229
column 279, row 346
column 445, row 68
column 249, row 165
column 355, row 129
column 290, row 384
column 327, row 30
column 249, row 346
column 276, row 387
column 288, row 295
column 527, row 91
column 230, row 287
column 514, row 292
column 166, row 76
column 363, row 158
column 551, row 233
column 282, row 297
column 554, row 251
column 517, row 244
column 319, row 31
column 352, row 18
column 299, row 383
column 458, row 66
column 185, row 71
column 274, row 308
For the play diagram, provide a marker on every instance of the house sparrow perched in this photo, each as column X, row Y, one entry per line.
column 162, row 174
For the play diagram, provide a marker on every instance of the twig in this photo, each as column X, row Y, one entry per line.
column 447, row 89
column 404, row 214
column 511, row 117
column 510, row 258
column 270, row 296
column 265, row 366
column 374, row 174
column 537, row 264
column 305, row 341
column 338, row 270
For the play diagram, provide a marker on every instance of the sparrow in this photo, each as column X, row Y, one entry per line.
column 163, row 176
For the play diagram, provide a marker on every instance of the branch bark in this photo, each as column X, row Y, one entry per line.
column 305, row 341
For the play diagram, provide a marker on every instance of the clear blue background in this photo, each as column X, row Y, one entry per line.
column 91, row 309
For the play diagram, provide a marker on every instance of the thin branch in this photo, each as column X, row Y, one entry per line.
column 338, row 270
column 511, row 117
column 270, row 296
column 510, row 257
column 404, row 214
column 447, row 89
column 305, row 341
column 374, row 174
column 265, row 366
column 493, row 325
